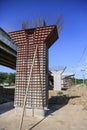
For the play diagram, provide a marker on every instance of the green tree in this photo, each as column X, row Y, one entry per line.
column 11, row 77
column 7, row 78
column 3, row 77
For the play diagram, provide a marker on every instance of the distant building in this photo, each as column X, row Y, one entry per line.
column 6, row 84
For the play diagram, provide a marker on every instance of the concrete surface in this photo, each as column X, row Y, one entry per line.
column 31, row 112
column 57, row 79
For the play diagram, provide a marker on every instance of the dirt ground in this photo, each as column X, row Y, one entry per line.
column 67, row 111
column 76, row 95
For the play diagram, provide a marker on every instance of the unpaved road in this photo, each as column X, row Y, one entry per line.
column 68, row 117
column 72, row 116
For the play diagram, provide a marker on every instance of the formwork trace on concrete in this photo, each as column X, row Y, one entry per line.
column 27, row 41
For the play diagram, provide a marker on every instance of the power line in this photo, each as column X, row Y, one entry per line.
column 84, row 50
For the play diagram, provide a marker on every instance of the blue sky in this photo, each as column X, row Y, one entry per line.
column 70, row 49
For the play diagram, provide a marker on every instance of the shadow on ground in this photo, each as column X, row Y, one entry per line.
column 57, row 102
column 5, row 107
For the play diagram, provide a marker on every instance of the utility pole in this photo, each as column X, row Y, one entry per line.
column 83, row 70
column 75, row 80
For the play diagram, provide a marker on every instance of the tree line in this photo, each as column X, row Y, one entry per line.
column 79, row 81
column 7, row 78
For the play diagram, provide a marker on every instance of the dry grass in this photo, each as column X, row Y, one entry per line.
column 76, row 95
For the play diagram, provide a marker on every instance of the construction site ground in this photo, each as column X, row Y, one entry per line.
column 67, row 111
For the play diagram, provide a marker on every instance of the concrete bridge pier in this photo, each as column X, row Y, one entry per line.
column 37, row 96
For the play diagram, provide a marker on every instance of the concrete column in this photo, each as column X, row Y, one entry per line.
column 37, row 97
column 57, row 79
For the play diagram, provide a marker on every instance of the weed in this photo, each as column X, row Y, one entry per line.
column 60, row 93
